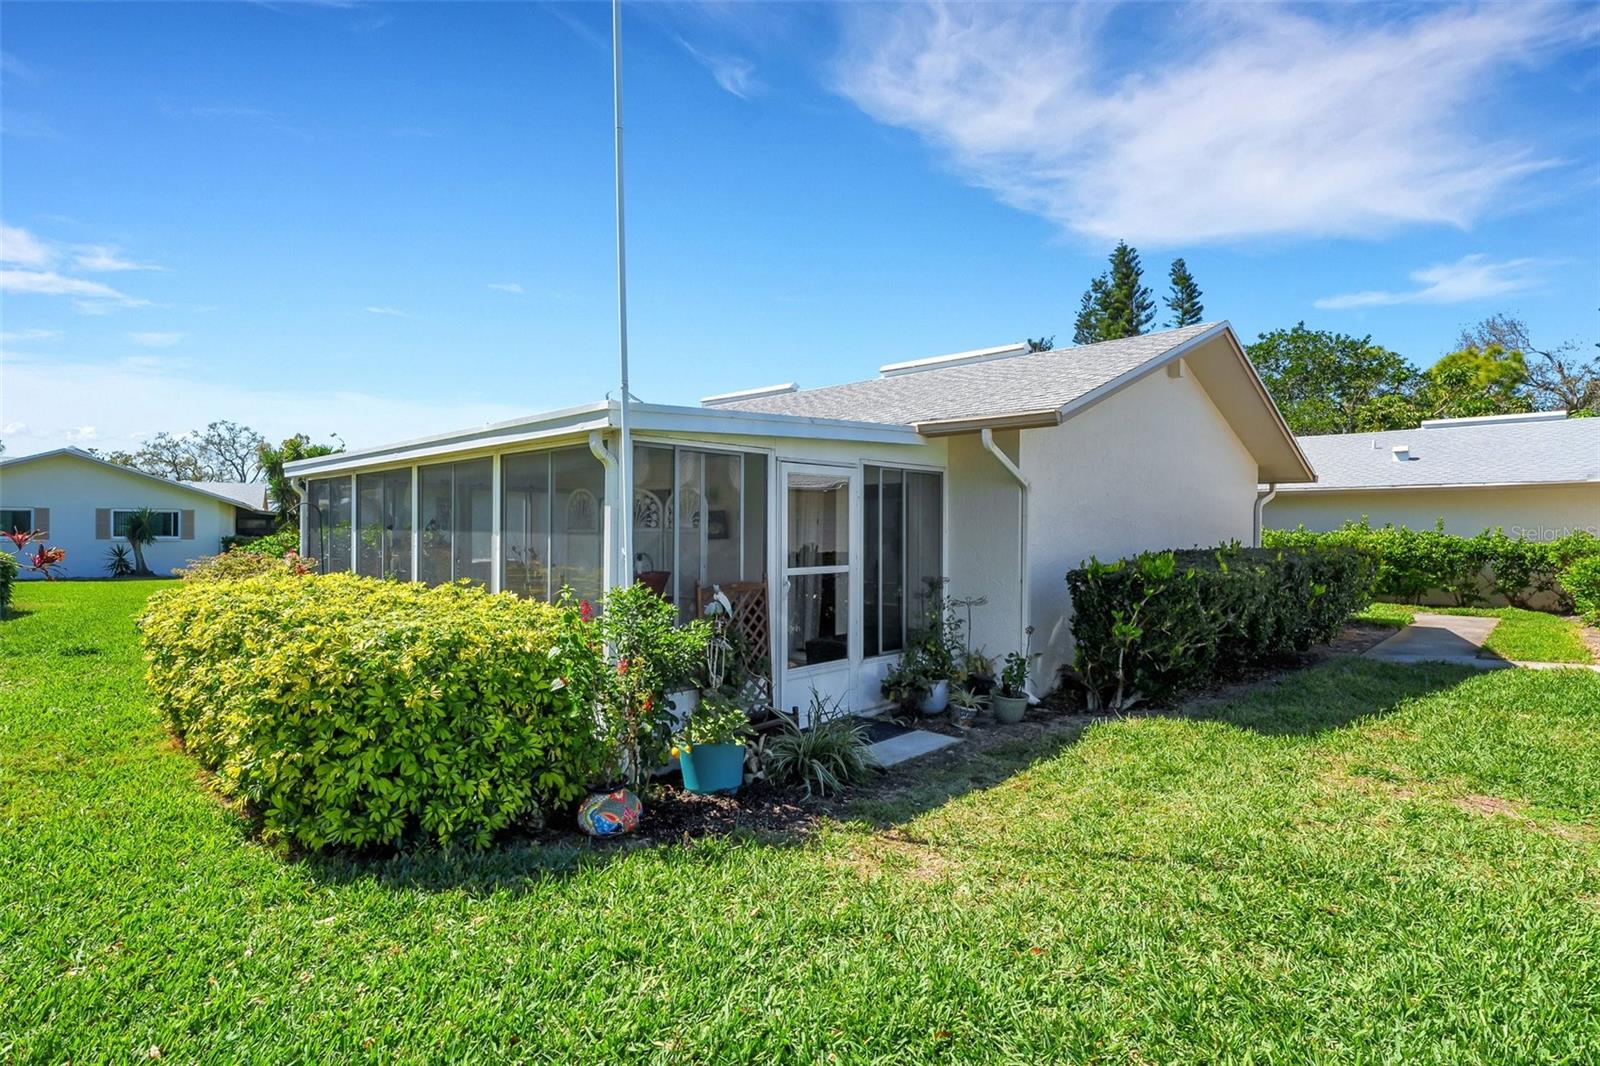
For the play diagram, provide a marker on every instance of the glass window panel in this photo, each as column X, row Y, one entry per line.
column 16, row 520
column 577, row 536
column 332, row 516
column 689, row 527
column 473, row 532
column 383, row 524
column 369, row 525
column 436, row 493
column 872, row 561
column 894, row 561
column 397, row 525
column 819, row 617
column 652, row 531
column 924, row 539
column 819, row 519
column 754, row 565
column 525, row 524
column 723, row 532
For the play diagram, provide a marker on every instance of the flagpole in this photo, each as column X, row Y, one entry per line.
column 625, row 448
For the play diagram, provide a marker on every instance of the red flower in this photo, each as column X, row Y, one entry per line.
column 622, row 666
column 585, row 610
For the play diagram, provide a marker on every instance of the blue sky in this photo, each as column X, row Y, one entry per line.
column 386, row 220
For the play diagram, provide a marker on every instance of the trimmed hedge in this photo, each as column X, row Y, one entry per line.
column 238, row 563
column 1162, row 622
column 1412, row 563
column 277, row 543
column 351, row 712
column 1581, row 582
column 8, row 580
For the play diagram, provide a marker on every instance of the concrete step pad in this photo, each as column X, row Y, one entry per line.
column 910, row 745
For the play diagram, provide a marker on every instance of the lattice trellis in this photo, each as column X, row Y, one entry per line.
column 750, row 620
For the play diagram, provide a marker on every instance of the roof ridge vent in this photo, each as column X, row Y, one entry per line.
column 1494, row 420
column 749, row 394
column 939, row 362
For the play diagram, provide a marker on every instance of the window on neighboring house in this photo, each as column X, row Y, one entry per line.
column 166, row 522
column 16, row 520
column 903, row 530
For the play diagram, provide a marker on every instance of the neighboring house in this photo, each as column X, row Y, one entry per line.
column 998, row 469
column 81, row 503
column 1535, row 476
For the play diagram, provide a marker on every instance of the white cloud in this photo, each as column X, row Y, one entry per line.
column 105, row 258
column 734, row 73
column 131, row 399
column 513, row 287
column 388, row 312
column 1237, row 121
column 1472, row 277
column 21, row 248
column 155, row 339
column 14, row 336
column 50, row 283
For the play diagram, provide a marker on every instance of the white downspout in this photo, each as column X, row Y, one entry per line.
column 300, row 490
column 619, row 514
column 986, row 435
column 1262, row 499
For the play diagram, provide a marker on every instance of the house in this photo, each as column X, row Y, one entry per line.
column 81, row 503
column 823, row 513
column 1535, row 476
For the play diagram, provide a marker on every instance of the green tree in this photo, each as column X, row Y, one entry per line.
column 1086, row 327
column 1558, row 378
column 1474, row 381
column 1042, row 344
column 1184, row 300
column 272, row 459
column 1335, row 383
column 223, row 451
column 1117, row 303
column 142, row 529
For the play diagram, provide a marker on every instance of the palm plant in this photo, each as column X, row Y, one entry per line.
column 141, row 530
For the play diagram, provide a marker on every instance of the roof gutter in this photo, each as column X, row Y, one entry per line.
column 986, row 436
column 1262, row 499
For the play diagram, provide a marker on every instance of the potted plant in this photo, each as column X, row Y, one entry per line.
column 968, row 705
column 978, row 669
column 907, row 683
column 709, row 745
column 1012, row 699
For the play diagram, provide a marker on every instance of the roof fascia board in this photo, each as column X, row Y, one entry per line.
column 1041, row 419
column 667, row 418
column 1333, row 489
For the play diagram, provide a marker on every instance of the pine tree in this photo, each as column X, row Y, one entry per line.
column 1126, row 307
column 1086, row 328
column 1184, row 303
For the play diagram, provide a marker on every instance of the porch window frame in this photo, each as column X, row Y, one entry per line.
column 944, row 542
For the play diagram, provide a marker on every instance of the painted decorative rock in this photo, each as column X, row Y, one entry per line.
column 610, row 814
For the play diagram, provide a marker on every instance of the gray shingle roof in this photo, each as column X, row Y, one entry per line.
column 998, row 388
column 1560, row 450
column 251, row 495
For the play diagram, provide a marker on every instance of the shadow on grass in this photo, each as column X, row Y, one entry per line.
column 1328, row 697
column 1303, row 703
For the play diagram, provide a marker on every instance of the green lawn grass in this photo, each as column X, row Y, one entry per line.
column 1526, row 636
column 1364, row 862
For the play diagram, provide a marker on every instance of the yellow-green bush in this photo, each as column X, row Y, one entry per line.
column 351, row 712
column 237, row 563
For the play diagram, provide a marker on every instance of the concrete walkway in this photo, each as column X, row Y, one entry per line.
column 909, row 745
column 1446, row 638
column 1452, row 638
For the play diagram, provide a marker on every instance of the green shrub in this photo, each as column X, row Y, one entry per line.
column 1581, row 581
column 825, row 757
column 8, row 579
column 236, row 564
column 1413, row 563
column 279, row 543
column 352, row 712
column 1162, row 622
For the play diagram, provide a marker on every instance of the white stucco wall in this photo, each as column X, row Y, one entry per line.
column 984, row 548
column 1537, row 512
column 73, row 488
column 1153, row 466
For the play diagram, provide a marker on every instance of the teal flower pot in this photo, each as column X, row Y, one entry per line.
column 713, row 768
